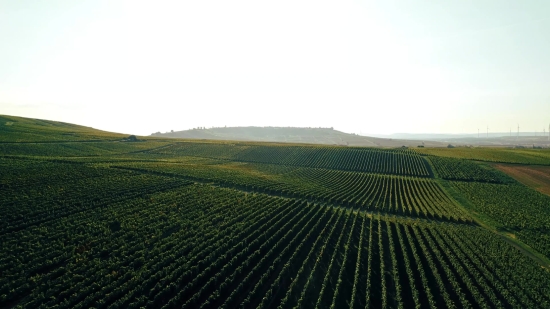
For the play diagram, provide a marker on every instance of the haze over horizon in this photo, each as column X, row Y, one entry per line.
column 370, row 67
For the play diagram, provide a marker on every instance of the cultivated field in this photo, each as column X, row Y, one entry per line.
column 537, row 177
column 501, row 155
column 88, row 219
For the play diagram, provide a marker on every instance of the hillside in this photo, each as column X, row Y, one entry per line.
column 324, row 136
column 169, row 223
column 20, row 129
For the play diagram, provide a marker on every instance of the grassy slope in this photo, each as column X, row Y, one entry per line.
column 19, row 129
column 44, row 138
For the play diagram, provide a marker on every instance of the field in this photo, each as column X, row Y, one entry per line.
column 97, row 221
column 500, row 155
column 537, row 177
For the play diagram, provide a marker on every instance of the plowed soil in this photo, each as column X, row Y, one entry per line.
column 536, row 177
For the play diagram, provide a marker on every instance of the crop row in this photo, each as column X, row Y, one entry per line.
column 21, row 174
column 205, row 247
column 77, row 149
column 462, row 169
column 339, row 158
column 58, row 252
column 28, row 198
column 408, row 196
column 516, row 208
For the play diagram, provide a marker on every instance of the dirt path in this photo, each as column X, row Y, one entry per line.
column 542, row 260
column 525, row 249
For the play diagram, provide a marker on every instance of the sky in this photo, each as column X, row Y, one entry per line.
column 368, row 67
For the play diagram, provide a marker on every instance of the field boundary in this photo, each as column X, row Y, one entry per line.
column 542, row 260
column 280, row 195
column 483, row 161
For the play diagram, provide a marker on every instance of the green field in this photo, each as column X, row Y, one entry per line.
column 91, row 220
column 501, row 155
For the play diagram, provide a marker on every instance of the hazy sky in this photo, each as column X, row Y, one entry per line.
column 360, row 66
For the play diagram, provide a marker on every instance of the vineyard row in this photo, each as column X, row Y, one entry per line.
column 350, row 159
column 205, row 247
column 406, row 196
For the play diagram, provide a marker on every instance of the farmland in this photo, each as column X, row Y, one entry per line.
column 537, row 177
column 500, row 155
column 90, row 220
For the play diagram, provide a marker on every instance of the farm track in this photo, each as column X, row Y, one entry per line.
column 539, row 258
column 524, row 248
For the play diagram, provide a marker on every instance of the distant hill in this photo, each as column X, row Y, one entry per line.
column 497, row 139
column 20, row 129
column 324, row 136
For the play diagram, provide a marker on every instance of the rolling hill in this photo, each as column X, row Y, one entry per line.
column 324, row 136
column 89, row 219
column 20, row 129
